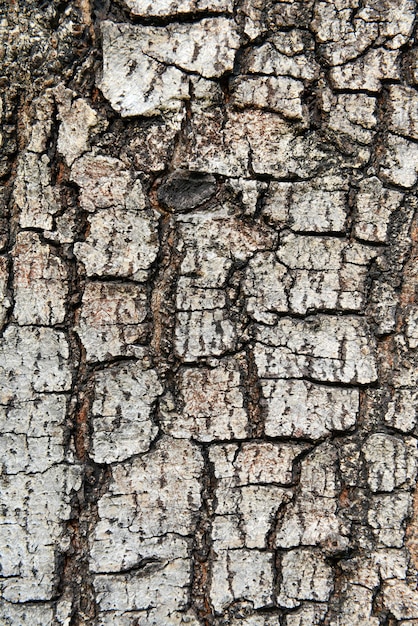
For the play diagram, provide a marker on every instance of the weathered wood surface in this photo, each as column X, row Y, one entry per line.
column 209, row 319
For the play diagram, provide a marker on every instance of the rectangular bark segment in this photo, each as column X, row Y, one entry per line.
column 213, row 403
column 298, row 408
column 146, row 519
column 38, row 483
column 37, row 268
column 122, row 410
column 323, row 347
column 319, row 205
column 112, row 318
column 154, row 77
column 173, row 7
column 244, row 574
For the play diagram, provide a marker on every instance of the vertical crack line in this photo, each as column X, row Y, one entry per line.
column 76, row 584
column 253, row 397
column 163, row 293
column 202, row 553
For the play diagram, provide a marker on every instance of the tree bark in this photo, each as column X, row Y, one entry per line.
column 209, row 319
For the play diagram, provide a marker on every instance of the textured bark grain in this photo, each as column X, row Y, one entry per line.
column 208, row 313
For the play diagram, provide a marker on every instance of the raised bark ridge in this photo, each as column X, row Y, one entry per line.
column 209, row 319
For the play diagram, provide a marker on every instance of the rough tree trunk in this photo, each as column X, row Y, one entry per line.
column 209, row 319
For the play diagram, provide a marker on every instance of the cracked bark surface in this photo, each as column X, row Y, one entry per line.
column 208, row 314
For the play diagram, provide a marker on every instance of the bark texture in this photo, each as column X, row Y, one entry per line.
column 209, row 318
